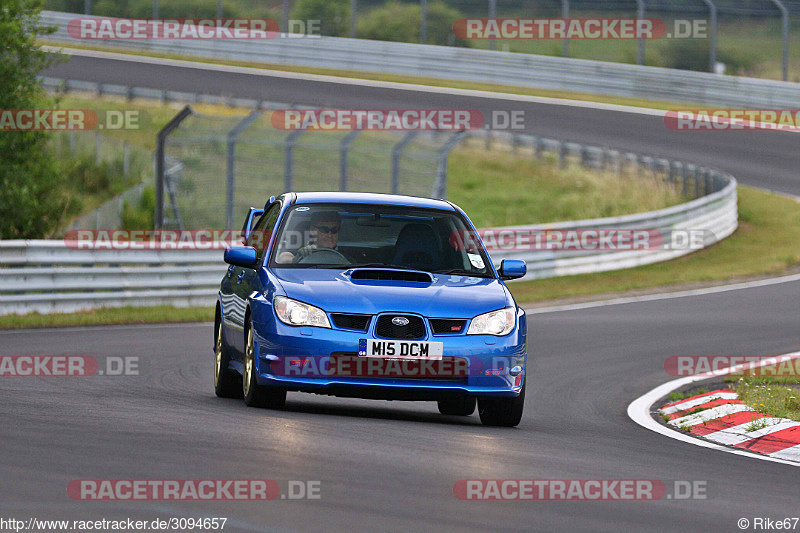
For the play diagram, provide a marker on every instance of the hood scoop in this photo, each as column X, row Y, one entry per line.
column 389, row 274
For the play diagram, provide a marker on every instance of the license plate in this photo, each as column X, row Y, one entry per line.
column 400, row 349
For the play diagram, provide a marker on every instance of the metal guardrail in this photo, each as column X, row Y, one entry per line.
column 48, row 276
column 464, row 64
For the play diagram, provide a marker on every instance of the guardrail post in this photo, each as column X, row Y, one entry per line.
column 397, row 149
column 72, row 141
column 696, row 181
column 161, row 140
column 538, row 145
column 440, row 185
column 288, row 167
column 230, row 165
column 562, row 154
column 344, row 148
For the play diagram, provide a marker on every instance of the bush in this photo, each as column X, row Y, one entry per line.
column 334, row 15
column 141, row 215
column 396, row 21
column 687, row 54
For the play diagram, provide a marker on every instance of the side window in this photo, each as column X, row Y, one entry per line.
column 262, row 231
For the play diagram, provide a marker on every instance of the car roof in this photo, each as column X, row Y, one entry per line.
column 371, row 198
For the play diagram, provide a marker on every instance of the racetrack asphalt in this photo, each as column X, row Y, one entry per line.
column 392, row 465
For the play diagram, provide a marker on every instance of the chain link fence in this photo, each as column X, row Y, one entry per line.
column 237, row 161
column 126, row 160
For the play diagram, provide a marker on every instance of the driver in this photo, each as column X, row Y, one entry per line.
column 324, row 233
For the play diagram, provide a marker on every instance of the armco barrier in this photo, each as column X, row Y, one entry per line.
column 466, row 64
column 47, row 276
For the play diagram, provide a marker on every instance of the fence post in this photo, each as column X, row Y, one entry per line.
column 287, row 159
column 161, row 140
column 344, row 147
column 87, row 7
column 565, row 41
column 440, row 185
column 230, row 162
column 396, row 151
column 97, row 141
column 492, row 14
column 423, row 24
column 785, row 31
column 353, row 21
column 155, row 9
column 126, row 158
column 640, row 7
column 285, row 17
column 713, row 53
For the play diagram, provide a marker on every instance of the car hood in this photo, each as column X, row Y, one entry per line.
column 448, row 296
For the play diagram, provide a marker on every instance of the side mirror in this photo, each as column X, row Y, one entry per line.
column 243, row 256
column 512, row 269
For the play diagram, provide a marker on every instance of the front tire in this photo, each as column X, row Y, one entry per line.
column 256, row 395
column 504, row 412
column 461, row 407
column 226, row 381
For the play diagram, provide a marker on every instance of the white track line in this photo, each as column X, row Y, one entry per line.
column 639, row 412
column 667, row 295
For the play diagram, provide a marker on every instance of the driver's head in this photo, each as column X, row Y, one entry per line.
column 325, row 227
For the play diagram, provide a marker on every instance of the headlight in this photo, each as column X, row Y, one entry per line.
column 297, row 313
column 499, row 322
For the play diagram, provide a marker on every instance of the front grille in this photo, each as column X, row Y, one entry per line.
column 356, row 322
column 415, row 329
column 444, row 325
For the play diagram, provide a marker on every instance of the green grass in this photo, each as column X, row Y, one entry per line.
column 109, row 316
column 766, row 243
column 497, row 188
column 770, row 397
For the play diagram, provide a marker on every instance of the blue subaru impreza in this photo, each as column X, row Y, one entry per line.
column 369, row 296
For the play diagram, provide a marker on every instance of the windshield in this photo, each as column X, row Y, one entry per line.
column 381, row 236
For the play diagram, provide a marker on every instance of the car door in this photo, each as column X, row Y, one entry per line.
column 245, row 280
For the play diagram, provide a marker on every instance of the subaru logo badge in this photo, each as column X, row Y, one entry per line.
column 400, row 321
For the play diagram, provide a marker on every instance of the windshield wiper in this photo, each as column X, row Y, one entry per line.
column 381, row 265
column 461, row 272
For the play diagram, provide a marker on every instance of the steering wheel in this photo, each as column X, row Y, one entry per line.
column 325, row 256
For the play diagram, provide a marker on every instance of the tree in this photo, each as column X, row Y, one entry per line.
column 31, row 199
column 397, row 21
column 334, row 15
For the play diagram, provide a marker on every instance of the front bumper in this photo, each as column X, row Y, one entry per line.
column 325, row 361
